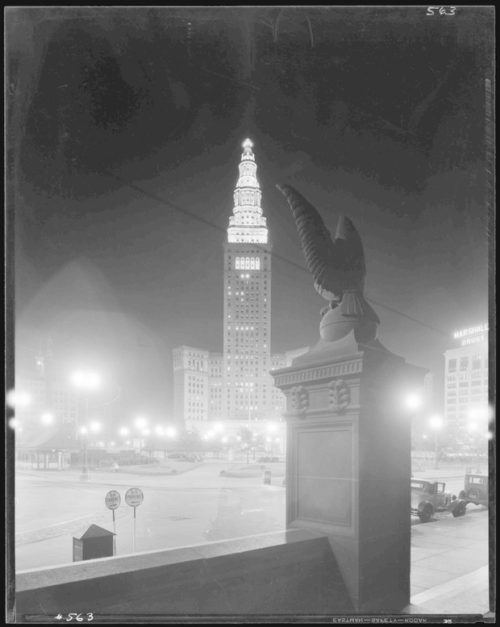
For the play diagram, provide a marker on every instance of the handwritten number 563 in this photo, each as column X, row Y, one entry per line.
column 441, row 10
column 78, row 617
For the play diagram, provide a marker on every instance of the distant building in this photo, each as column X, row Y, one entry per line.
column 215, row 396
column 38, row 379
column 235, row 386
column 191, row 387
column 466, row 380
column 48, row 417
column 247, row 387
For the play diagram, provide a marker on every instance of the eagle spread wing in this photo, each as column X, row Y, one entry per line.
column 336, row 265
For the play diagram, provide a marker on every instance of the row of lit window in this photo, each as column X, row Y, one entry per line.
column 247, row 263
column 237, row 298
column 466, row 376
column 255, row 239
column 463, row 364
column 476, row 398
column 252, row 286
column 244, row 348
column 473, row 383
column 465, row 394
column 252, row 251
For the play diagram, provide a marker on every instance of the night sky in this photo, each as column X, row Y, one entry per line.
column 124, row 136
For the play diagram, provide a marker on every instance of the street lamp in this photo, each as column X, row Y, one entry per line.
column 95, row 426
column 140, row 422
column 413, row 401
column 170, row 433
column 47, row 418
column 436, row 424
column 85, row 472
column 86, row 381
column 18, row 399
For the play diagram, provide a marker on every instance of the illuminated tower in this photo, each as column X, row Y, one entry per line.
column 247, row 301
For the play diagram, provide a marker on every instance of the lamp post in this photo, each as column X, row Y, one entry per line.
column 436, row 424
column 171, row 434
column 250, row 399
column 412, row 402
column 85, row 472
column 140, row 424
column 85, row 381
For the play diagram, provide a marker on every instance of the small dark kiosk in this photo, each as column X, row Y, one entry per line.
column 95, row 542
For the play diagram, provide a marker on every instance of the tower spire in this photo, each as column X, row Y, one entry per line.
column 247, row 224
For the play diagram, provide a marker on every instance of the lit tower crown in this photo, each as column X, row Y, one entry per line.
column 247, row 224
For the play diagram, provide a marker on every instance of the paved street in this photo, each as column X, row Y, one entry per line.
column 179, row 510
column 201, row 505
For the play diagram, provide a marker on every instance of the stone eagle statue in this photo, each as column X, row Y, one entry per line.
column 338, row 269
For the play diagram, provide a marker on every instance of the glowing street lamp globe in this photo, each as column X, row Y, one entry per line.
column 413, row 401
column 86, row 380
column 47, row 418
column 171, row 432
column 140, row 422
column 436, row 422
column 18, row 399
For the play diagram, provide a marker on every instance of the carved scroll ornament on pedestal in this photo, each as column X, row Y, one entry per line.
column 299, row 400
column 339, row 396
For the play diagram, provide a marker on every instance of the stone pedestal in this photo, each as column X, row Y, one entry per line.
column 349, row 462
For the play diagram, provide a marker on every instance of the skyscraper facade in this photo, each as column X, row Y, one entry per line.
column 466, row 381
column 235, row 386
column 247, row 301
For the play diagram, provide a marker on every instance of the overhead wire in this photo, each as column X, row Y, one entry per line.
column 286, row 260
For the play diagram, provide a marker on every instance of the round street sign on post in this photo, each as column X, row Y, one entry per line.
column 134, row 497
column 113, row 500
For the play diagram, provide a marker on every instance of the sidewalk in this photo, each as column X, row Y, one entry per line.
column 449, row 565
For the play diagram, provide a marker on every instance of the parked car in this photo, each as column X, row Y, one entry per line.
column 428, row 497
column 475, row 489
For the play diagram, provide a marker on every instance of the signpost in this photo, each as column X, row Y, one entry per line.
column 134, row 497
column 113, row 500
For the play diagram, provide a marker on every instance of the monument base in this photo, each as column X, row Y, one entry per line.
column 349, row 462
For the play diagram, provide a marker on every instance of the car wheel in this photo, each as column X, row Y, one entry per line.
column 426, row 514
column 459, row 509
column 474, row 496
